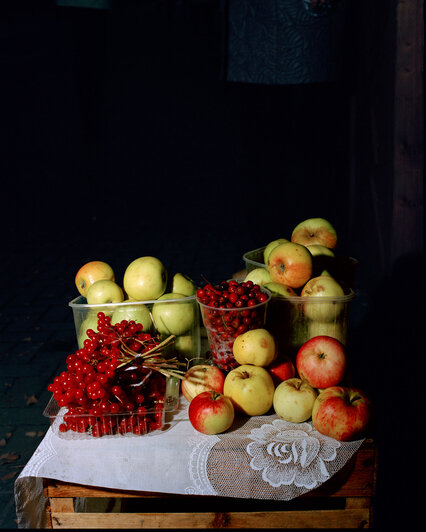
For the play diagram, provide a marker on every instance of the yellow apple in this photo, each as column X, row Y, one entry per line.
column 269, row 247
column 256, row 346
column 145, row 279
column 324, row 291
column 250, row 388
column 294, row 400
column 315, row 231
column 182, row 284
column 91, row 272
column 104, row 291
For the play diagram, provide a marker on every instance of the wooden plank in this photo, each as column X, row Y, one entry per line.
column 61, row 504
column 353, row 518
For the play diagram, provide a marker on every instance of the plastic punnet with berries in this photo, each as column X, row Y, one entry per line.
column 122, row 381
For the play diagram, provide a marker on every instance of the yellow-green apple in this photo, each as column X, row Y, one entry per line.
column 202, row 378
column 282, row 369
column 145, row 279
column 211, row 412
column 256, row 346
column 269, row 247
column 182, row 284
column 278, row 289
column 89, row 322
column 104, row 291
column 321, row 361
column 250, row 388
column 342, row 413
column 290, row 264
column 138, row 312
column 294, row 400
column 315, row 231
column 173, row 317
column 336, row 329
column 91, row 272
column 184, row 345
column 322, row 259
column 325, row 292
column 259, row 276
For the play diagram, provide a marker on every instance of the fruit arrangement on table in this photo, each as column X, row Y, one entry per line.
column 135, row 342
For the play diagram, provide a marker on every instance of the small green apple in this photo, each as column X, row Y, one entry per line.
column 174, row 317
column 104, row 291
column 182, row 284
column 271, row 246
column 184, row 345
column 278, row 289
column 138, row 312
column 259, row 276
column 89, row 322
column 145, row 279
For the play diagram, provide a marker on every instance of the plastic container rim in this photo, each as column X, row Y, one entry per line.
column 261, row 264
column 76, row 304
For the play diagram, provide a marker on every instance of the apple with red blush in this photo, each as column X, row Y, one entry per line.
column 342, row 413
column 321, row 361
column 281, row 370
column 211, row 412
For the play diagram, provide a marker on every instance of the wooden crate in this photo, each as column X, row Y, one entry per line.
column 344, row 501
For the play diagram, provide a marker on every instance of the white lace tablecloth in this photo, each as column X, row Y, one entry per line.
column 263, row 458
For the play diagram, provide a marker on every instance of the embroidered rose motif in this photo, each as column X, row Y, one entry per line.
column 291, row 453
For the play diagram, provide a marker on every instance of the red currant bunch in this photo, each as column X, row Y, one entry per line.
column 102, row 392
column 229, row 309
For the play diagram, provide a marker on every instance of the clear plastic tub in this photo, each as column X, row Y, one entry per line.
column 81, row 424
column 221, row 325
column 179, row 317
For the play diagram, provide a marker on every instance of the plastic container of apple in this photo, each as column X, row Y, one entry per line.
column 303, row 306
column 164, row 305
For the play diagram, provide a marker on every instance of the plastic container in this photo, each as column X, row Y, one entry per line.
column 221, row 325
column 180, row 317
column 294, row 320
column 84, row 425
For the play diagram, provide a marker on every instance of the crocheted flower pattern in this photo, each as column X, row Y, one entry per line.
column 291, row 453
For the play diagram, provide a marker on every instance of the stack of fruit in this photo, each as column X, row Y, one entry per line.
column 262, row 382
column 131, row 341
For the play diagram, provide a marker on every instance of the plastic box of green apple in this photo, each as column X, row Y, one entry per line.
column 295, row 319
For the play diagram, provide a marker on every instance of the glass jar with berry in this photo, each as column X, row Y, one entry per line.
column 229, row 309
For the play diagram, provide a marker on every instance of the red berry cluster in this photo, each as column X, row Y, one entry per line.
column 105, row 394
column 232, row 308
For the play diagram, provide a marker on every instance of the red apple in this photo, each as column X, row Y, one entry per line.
column 211, row 412
column 290, row 264
column 321, row 361
column 202, row 378
column 281, row 370
column 342, row 413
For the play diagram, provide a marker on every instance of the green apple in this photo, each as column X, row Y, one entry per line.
column 182, row 284
column 259, row 276
column 335, row 329
column 322, row 259
column 138, row 312
column 104, row 291
column 324, row 291
column 278, row 289
column 271, row 246
column 315, row 231
column 89, row 322
column 91, row 272
column 184, row 345
column 174, row 317
column 294, row 400
column 145, row 279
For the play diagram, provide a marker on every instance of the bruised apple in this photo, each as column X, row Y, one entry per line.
column 202, row 378
column 256, row 346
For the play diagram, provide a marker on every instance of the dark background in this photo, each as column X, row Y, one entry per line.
column 121, row 137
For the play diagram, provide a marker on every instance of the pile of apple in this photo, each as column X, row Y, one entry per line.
column 145, row 279
column 309, row 386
